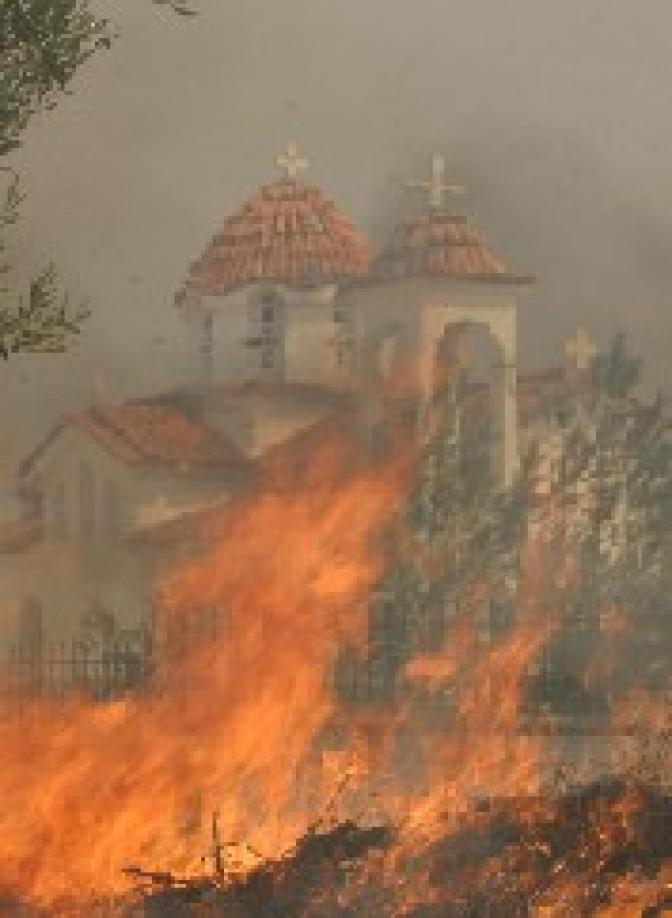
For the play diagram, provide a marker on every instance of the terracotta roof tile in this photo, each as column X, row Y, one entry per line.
column 287, row 233
column 439, row 244
column 154, row 434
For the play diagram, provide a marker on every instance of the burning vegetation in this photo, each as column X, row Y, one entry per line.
column 442, row 788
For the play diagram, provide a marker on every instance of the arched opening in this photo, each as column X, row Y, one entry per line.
column 266, row 334
column 466, row 402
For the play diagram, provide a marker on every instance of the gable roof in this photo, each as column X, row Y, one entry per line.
column 287, row 465
column 152, row 434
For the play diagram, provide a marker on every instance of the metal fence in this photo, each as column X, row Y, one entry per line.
column 102, row 668
column 100, row 672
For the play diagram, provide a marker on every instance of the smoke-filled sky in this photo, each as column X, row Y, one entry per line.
column 553, row 112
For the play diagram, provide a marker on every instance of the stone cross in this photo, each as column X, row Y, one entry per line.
column 580, row 349
column 437, row 187
column 290, row 162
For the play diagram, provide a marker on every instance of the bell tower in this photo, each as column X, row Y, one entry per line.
column 263, row 301
column 438, row 276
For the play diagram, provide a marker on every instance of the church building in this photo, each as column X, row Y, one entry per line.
column 289, row 314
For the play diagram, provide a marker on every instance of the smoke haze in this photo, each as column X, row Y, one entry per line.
column 551, row 113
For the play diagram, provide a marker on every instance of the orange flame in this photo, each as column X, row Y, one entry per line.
column 88, row 789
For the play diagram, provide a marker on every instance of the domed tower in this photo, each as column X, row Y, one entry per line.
column 263, row 300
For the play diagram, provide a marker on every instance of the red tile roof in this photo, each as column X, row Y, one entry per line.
column 287, row 233
column 439, row 244
column 154, row 434
column 287, row 465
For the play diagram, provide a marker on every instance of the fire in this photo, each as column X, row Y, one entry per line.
column 231, row 724
column 486, row 753
column 88, row 789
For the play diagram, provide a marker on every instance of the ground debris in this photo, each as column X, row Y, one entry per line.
column 600, row 850
column 285, row 887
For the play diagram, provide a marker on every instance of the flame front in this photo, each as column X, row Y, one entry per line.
column 230, row 723
column 89, row 789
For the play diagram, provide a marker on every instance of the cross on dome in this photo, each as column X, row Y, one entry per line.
column 437, row 187
column 290, row 162
column 580, row 349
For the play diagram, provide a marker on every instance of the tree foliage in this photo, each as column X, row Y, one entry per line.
column 42, row 45
column 42, row 320
column 606, row 509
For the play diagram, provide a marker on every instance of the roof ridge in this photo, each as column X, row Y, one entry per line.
column 108, row 424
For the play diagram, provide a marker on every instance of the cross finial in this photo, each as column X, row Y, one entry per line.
column 437, row 187
column 290, row 162
column 580, row 349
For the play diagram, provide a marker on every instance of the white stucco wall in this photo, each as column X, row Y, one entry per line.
column 415, row 312
column 308, row 331
column 68, row 574
column 137, row 489
column 60, row 467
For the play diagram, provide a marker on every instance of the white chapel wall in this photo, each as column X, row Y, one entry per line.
column 74, row 467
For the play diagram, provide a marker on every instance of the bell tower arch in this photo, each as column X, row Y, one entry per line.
column 500, row 322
